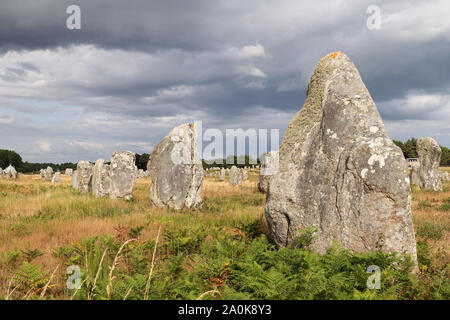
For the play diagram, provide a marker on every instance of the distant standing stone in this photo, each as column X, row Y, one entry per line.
column 56, row 177
column 68, row 172
column 48, row 174
column 445, row 176
column 176, row 170
column 269, row 167
column 84, row 176
column 123, row 174
column 10, row 172
column 101, row 180
column 222, row 175
column 235, row 177
column 414, row 175
column 429, row 153
column 244, row 174
column 75, row 180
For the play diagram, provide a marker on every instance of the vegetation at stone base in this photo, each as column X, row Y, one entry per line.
column 222, row 251
column 409, row 150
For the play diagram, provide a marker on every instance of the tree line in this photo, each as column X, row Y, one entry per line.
column 10, row 157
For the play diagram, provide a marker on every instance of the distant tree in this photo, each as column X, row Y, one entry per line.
column 141, row 160
column 9, row 157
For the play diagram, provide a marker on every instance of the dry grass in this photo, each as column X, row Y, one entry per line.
column 35, row 214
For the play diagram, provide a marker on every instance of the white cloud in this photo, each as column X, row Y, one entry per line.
column 44, row 145
column 251, row 51
column 87, row 145
column 251, row 71
column 6, row 119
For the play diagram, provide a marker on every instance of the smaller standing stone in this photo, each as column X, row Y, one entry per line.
column 56, row 177
column 235, row 177
column 101, row 180
column 414, row 177
column 269, row 167
column 222, row 175
column 123, row 174
column 10, row 172
column 75, row 180
column 84, row 176
column 429, row 153
column 445, row 176
column 244, row 174
column 48, row 174
column 68, row 172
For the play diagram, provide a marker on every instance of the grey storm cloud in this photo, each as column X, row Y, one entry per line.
column 138, row 68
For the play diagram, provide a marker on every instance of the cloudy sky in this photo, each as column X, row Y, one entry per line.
column 138, row 68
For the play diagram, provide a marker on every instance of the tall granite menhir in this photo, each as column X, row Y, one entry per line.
column 339, row 171
column 175, row 168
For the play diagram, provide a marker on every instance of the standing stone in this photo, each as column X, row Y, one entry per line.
column 42, row 173
column 244, row 174
column 48, row 174
column 68, row 172
column 176, row 170
column 56, row 177
column 445, row 176
column 429, row 153
column 414, row 175
column 222, row 175
column 101, row 180
column 339, row 172
column 10, row 172
column 84, row 176
column 269, row 167
column 235, row 177
column 123, row 174
column 75, row 180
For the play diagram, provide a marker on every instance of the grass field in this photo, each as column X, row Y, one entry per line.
column 132, row 250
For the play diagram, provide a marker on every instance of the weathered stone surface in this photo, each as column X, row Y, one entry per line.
column 68, row 172
column 101, row 180
column 235, row 177
column 176, row 170
column 48, row 174
column 75, row 179
column 84, row 176
column 42, row 173
column 222, row 175
column 56, row 177
column 123, row 174
column 269, row 167
column 339, row 172
column 414, row 175
column 429, row 153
